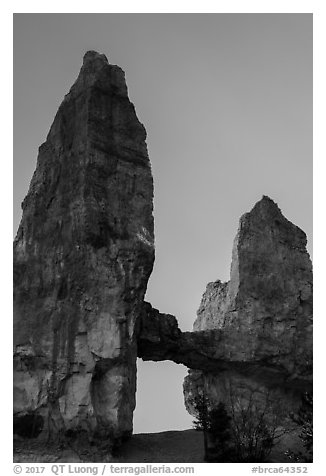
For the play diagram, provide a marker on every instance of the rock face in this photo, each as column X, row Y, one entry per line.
column 82, row 257
column 264, row 312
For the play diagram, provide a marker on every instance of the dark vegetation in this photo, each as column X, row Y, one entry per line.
column 247, row 430
column 304, row 419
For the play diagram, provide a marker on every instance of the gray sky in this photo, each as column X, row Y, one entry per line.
column 226, row 100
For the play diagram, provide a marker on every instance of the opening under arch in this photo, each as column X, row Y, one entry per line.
column 159, row 398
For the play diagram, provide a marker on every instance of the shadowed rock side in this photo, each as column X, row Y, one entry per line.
column 82, row 258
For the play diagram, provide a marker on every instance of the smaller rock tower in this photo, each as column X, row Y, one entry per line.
column 264, row 312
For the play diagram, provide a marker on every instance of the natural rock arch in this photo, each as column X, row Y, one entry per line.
column 83, row 255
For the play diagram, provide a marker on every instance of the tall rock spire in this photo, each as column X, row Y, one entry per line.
column 83, row 254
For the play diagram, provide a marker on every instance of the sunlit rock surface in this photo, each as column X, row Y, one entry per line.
column 83, row 254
